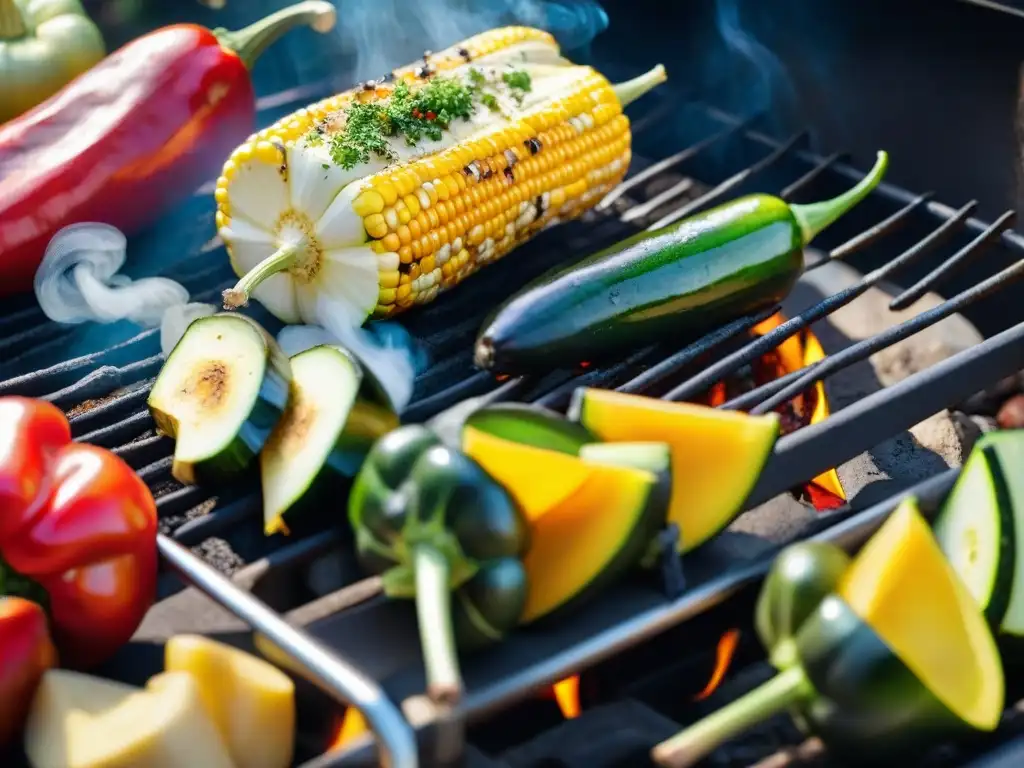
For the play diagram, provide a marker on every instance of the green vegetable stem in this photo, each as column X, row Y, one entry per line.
column 440, row 530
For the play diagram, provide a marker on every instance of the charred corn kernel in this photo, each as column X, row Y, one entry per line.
column 431, row 218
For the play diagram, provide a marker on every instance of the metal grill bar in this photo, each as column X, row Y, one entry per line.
column 729, row 184
column 685, row 356
column 864, row 349
column 850, row 533
column 669, row 162
column 886, row 226
column 321, row 665
column 856, row 428
column 805, row 180
column 945, row 269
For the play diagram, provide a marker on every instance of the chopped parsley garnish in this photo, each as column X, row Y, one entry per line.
column 413, row 114
column 518, row 79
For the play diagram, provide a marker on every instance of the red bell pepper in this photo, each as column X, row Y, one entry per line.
column 77, row 532
column 26, row 652
column 135, row 134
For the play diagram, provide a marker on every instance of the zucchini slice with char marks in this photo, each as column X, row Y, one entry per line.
column 219, row 395
column 336, row 412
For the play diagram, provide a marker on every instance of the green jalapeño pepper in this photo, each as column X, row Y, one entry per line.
column 439, row 529
column 894, row 653
column 737, row 259
column 44, row 45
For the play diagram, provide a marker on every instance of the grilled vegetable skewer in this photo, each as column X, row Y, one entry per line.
column 380, row 197
column 436, row 527
column 737, row 259
column 895, row 653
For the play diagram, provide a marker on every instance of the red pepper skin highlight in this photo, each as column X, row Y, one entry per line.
column 132, row 136
column 77, row 532
column 26, row 652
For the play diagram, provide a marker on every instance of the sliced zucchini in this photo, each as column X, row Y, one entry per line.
column 902, row 586
column 219, row 395
column 717, row 456
column 336, row 412
column 981, row 528
column 531, row 425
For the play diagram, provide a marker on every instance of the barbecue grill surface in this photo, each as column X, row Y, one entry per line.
column 101, row 377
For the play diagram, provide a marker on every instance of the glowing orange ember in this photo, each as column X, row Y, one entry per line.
column 724, row 654
column 796, row 352
column 567, row 694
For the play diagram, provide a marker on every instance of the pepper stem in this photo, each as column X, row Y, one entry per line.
column 814, row 217
column 284, row 258
column 631, row 90
column 12, row 24
column 691, row 745
column 433, row 609
column 250, row 42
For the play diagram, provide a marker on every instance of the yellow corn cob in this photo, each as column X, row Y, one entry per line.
column 312, row 238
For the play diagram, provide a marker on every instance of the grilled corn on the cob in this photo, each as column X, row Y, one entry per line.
column 378, row 198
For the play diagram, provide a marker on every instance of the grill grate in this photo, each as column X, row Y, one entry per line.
column 105, row 391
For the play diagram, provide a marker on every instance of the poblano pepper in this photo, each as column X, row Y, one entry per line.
column 44, row 45
column 894, row 652
column 439, row 529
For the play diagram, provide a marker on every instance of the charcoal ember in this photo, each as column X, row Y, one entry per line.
column 988, row 402
column 1011, row 415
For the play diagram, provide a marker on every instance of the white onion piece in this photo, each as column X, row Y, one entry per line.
column 77, row 280
column 176, row 321
column 387, row 349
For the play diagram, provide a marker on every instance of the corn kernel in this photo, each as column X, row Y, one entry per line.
column 386, row 296
column 412, row 204
column 368, row 203
column 375, row 225
column 221, row 220
column 387, row 191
